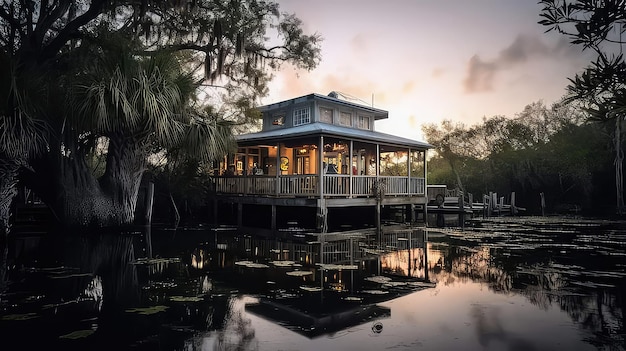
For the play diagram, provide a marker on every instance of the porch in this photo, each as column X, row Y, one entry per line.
column 332, row 185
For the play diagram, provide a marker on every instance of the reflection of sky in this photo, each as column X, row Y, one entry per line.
column 460, row 316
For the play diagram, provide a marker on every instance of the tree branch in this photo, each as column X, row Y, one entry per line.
column 95, row 9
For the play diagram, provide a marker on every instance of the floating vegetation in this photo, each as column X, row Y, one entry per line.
column 251, row 264
column 78, row 334
column 394, row 284
column 145, row 260
column 147, row 310
column 283, row 263
column 378, row 279
column 59, row 269
column 20, row 317
column 186, row 298
column 375, row 292
column 422, row 284
column 329, row 266
column 71, row 275
column 160, row 285
column 299, row 273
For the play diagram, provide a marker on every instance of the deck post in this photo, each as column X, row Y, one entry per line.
column 273, row 220
column 351, row 174
column 149, row 201
column 462, row 211
column 425, row 240
column 277, row 165
column 513, row 208
column 425, row 189
column 215, row 214
column 239, row 215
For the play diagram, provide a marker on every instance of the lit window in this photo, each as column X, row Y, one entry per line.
column 326, row 115
column 364, row 122
column 301, row 116
column 346, row 119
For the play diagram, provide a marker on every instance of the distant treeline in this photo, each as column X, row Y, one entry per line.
column 551, row 150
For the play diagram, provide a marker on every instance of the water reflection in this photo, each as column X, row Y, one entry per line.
column 540, row 268
column 526, row 287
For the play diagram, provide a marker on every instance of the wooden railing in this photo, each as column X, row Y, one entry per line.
column 336, row 185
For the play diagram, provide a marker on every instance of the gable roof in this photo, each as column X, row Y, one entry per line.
column 320, row 128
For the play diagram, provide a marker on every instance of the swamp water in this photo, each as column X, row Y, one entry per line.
column 500, row 284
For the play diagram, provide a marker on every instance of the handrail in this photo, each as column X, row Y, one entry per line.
column 335, row 185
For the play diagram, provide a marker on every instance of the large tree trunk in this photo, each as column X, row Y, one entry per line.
column 8, row 191
column 80, row 199
column 619, row 161
column 126, row 163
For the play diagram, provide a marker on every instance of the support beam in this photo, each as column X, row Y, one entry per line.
column 273, row 220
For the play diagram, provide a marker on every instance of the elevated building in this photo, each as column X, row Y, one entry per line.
column 319, row 165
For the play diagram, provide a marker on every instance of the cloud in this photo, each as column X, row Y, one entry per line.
column 481, row 74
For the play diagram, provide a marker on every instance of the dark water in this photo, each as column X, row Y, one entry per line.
column 502, row 284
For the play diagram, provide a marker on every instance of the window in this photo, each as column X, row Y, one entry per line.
column 364, row 122
column 278, row 120
column 326, row 115
column 301, row 116
column 346, row 119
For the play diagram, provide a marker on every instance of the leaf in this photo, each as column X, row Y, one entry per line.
column 148, row 310
column 78, row 334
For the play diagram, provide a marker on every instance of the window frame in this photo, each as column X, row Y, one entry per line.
column 322, row 109
column 301, row 116
column 341, row 118
column 362, row 120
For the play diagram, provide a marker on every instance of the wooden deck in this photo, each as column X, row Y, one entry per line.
column 337, row 185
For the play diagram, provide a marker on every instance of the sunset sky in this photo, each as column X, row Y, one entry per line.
column 429, row 60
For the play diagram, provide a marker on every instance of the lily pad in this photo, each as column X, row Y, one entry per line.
column 20, row 317
column 78, row 334
column 185, row 298
column 299, row 273
column 148, row 310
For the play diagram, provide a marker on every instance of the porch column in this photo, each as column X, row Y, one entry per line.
column 322, row 211
column 379, row 200
column 377, row 161
column 410, row 163
column 350, row 165
column 277, row 165
column 320, row 167
column 425, row 192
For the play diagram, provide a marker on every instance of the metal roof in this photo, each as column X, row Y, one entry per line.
column 378, row 113
column 319, row 128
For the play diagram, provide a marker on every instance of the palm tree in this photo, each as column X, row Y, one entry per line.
column 125, row 108
column 21, row 136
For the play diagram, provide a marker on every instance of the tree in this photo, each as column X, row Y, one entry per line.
column 175, row 49
column 601, row 88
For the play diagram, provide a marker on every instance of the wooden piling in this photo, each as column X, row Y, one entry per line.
column 149, row 201
column 461, row 211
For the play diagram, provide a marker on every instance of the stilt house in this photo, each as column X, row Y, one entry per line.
column 319, row 165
